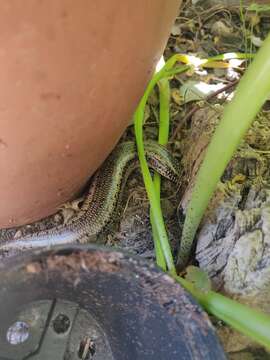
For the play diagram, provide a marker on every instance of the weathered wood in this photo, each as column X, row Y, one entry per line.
column 233, row 243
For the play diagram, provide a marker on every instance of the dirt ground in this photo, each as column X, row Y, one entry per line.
column 238, row 217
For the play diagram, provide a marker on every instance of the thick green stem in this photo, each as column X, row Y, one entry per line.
column 253, row 90
column 248, row 321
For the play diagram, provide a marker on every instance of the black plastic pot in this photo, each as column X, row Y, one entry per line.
column 94, row 303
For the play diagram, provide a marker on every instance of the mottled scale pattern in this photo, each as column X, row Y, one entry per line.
column 102, row 199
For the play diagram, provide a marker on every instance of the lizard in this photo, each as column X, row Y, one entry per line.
column 101, row 201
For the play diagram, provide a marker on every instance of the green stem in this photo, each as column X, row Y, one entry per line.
column 252, row 92
column 248, row 321
column 164, row 121
column 150, row 189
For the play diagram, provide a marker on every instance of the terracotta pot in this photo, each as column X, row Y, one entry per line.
column 71, row 74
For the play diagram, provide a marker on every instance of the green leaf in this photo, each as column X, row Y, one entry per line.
column 198, row 278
